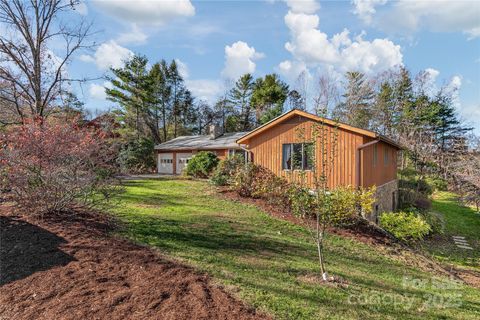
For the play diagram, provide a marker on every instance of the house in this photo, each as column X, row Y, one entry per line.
column 173, row 155
column 363, row 158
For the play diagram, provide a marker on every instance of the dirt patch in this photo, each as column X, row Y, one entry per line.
column 70, row 268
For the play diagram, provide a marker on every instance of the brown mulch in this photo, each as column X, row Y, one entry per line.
column 71, row 268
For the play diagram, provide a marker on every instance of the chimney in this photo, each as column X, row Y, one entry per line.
column 215, row 131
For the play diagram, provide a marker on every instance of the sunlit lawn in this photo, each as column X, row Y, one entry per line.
column 271, row 263
column 458, row 221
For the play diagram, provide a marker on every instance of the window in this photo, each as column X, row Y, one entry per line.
column 375, row 155
column 297, row 156
column 385, row 156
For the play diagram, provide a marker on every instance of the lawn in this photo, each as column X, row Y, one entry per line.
column 271, row 263
column 458, row 221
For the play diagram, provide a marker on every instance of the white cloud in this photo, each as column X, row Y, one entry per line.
column 81, row 8
column 108, row 54
column 455, row 82
column 147, row 12
column 303, row 6
column 406, row 16
column 133, row 36
column 292, row 69
column 205, row 89
column 365, row 9
column 239, row 59
column 432, row 74
column 182, row 68
column 97, row 91
column 313, row 47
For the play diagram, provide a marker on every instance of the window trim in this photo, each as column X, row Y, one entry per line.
column 302, row 160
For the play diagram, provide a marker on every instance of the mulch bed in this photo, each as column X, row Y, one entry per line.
column 69, row 267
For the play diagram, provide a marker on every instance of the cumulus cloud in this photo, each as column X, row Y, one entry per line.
column 134, row 35
column 406, row 16
column 97, row 91
column 311, row 46
column 432, row 74
column 108, row 54
column 303, row 6
column 365, row 9
column 455, row 82
column 205, row 89
column 291, row 69
column 147, row 12
column 239, row 59
column 182, row 68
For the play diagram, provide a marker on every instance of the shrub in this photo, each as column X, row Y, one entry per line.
column 302, row 201
column 422, row 203
column 406, row 226
column 224, row 173
column 437, row 183
column 201, row 164
column 258, row 182
column 53, row 166
column 137, row 156
column 434, row 220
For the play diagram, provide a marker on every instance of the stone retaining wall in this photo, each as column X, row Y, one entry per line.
column 387, row 200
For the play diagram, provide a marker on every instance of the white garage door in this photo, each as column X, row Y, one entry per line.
column 165, row 163
column 182, row 160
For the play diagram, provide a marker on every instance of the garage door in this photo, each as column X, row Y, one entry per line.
column 182, row 160
column 165, row 163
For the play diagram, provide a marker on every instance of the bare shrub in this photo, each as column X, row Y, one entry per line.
column 51, row 166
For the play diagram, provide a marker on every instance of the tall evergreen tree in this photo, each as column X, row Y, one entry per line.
column 176, row 82
column 130, row 91
column 358, row 97
column 269, row 95
column 384, row 110
column 161, row 94
column 240, row 97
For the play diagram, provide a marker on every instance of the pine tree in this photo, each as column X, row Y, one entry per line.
column 130, row 91
column 356, row 107
column 240, row 98
column 269, row 95
column 161, row 94
column 384, row 110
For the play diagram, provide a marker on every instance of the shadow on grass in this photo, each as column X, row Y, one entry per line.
column 214, row 234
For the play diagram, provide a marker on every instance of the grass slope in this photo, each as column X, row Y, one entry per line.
column 458, row 221
column 271, row 263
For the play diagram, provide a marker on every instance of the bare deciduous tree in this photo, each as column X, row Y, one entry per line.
column 31, row 73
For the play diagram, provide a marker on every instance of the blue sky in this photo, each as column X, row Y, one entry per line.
column 215, row 41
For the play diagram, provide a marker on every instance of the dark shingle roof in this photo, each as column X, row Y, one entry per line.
column 203, row 142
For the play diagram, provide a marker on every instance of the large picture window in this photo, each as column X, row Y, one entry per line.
column 297, row 156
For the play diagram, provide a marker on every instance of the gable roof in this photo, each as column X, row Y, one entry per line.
column 296, row 112
column 202, row 142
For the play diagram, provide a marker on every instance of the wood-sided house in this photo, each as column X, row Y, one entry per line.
column 362, row 158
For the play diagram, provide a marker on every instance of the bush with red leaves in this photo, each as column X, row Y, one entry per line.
column 53, row 166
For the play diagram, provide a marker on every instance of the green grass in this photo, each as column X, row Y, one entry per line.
column 271, row 263
column 458, row 220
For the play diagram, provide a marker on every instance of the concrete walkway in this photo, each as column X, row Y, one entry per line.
column 461, row 242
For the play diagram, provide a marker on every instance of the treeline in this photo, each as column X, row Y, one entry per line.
column 154, row 102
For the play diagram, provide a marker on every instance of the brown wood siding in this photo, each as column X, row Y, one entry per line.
column 267, row 151
column 380, row 172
